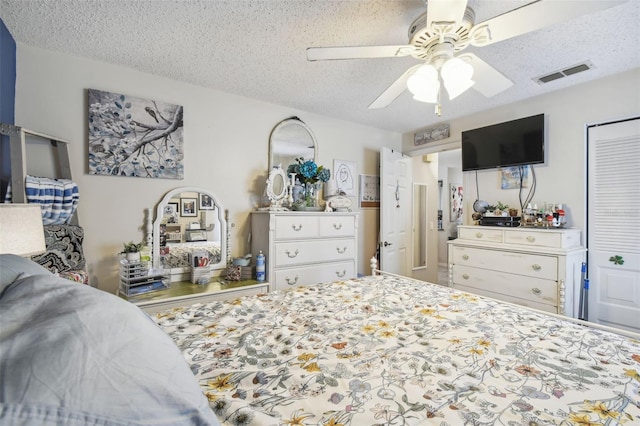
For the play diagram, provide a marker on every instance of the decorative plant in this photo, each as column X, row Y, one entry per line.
column 498, row 208
column 308, row 171
column 131, row 247
column 501, row 206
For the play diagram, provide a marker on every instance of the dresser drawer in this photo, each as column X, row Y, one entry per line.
column 299, row 252
column 295, row 227
column 510, row 299
column 306, row 275
column 337, row 226
column 528, row 288
column 543, row 238
column 533, row 265
column 478, row 233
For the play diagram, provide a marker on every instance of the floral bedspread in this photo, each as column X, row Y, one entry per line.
column 177, row 255
column 394, row 351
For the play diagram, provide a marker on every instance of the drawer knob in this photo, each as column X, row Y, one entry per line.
column 337, row 226
column 288, row 280
column 536, row 267
column 341, row 250
column 531, row 239
column 465, row 257
column 291, row 256
column 536, row 291
column 296, row 227
column 478, row 234
column 465, row 276
column 341, row 274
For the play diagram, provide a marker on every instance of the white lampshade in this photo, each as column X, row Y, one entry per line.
column 456, row 75
column 21, row 230
column 424, row 84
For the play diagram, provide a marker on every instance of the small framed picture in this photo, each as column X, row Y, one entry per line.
column 171, row 209
column 369, row 191
column 344, row 173
column 188, row 207
column 206, row 202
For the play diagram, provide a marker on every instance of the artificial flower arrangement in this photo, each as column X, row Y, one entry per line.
column 307, row 171
column 309, row 175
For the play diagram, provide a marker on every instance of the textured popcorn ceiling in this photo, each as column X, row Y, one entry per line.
column 257, row 48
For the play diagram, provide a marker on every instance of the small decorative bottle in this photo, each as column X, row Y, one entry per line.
column 260, row 266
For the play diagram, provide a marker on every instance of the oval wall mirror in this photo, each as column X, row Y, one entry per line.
column 291, row 139
column 189, row 220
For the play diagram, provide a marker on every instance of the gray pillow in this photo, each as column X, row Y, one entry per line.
column 13, row 266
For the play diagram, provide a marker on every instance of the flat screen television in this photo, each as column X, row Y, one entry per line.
column 513, row 143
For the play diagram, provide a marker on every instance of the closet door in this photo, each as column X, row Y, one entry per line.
column 613, row 233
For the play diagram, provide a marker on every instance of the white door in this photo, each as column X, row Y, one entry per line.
column 395, row 212
column 613, row 225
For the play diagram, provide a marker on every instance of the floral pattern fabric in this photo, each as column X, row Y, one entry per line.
column 177, row 255
column 395, row 351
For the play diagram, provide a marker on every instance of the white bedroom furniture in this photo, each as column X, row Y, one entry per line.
column 538, row 268
column 304, row 248
column 185, row 294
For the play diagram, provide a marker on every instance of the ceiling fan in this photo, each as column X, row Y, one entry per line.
column 438, row 38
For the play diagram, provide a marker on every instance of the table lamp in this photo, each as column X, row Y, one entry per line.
column 21, row 230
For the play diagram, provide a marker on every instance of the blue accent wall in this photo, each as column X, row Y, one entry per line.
column 7, row 100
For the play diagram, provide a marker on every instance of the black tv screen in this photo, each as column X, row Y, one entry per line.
column 513, row 143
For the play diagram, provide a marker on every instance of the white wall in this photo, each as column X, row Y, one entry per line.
column 568, row 112
column 226, row 148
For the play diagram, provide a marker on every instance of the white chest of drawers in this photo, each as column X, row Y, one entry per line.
column 305, row 248
column 538, row 268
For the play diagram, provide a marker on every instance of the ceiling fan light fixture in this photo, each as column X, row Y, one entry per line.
column 424, row 84
column 456, row 75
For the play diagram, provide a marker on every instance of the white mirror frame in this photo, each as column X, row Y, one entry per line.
column 280, row 129
column 222, row 218
column 277, row 177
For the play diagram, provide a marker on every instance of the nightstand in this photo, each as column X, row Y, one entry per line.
column 187, row 293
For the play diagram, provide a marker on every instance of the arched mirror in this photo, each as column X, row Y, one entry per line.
column 291, row 139
column 190, row 222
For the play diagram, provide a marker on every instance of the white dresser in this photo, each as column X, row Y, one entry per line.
column 538, row 268
column 305, row 248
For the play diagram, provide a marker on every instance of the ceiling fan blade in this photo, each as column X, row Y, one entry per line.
column 445, row 11
column 395, row 90
column 358, row 52
column 534, row 16
column 489, row 81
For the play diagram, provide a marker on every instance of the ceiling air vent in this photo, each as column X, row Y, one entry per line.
column 574, row 69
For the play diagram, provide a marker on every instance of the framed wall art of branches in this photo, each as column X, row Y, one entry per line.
column 130, row 136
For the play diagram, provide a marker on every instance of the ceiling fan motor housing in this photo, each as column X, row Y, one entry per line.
column 426, row 40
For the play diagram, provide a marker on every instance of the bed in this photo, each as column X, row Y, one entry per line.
column 391, row 350
column 373, row 350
